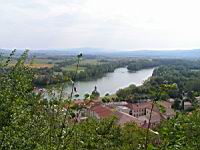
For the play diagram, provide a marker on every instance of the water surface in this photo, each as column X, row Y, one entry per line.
column 112, row 82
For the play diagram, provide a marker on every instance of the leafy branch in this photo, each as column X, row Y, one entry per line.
column 70, row 98
column 157, row 95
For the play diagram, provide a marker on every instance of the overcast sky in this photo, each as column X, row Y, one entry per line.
column 110, row 24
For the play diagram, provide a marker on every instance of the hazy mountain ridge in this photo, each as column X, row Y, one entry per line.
column 190, row 54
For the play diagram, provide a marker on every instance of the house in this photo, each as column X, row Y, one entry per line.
column 198, row 98
column 156, row 118
column 127, row 112
column 123, row 118
column 139, row 109
column 142, row 111
column 165, row 104
column 99, row 111
column 168, row 112
column 124, row 109
column 102, row 111
column 122, row 103
column 187, row 105
column 171, row 100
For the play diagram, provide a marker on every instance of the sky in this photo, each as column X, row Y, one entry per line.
column 108, row 24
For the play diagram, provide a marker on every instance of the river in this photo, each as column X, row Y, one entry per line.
column 112, row 82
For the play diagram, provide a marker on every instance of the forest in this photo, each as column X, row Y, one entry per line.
column 184, row 74
column 90, row 68
column 28, row 121
column 52, row 70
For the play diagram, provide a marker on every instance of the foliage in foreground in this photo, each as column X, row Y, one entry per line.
column 28, row 121
column 182, row 132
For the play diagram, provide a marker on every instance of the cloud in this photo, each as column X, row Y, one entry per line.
column 116, row 24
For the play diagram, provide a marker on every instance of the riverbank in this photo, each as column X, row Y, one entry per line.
column 112, row 82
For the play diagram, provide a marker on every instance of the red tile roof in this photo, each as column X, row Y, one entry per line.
column 102, row 111
column 125, row 118
column 122, row 118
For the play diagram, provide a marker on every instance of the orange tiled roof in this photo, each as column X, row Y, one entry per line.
column 122, row 118
column 102, row 111
column 125, row 118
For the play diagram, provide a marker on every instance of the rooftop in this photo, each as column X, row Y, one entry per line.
column 155, row 118
column 123, row 107
column 188, row 103
column 139, row 105
column 122, row 118
column 125, row 118
column 165, row 104
column 102, row 111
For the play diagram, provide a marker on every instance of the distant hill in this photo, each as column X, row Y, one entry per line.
column 188, row 54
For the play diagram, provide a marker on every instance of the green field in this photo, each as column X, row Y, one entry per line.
column 49, row 63
column 37, row 63
column 73, row 68
column 82, row 62
column 90, row 62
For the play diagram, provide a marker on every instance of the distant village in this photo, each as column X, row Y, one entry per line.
column 139, row 113
column 125, row 112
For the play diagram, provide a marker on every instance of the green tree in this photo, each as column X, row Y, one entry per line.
column 86, row 96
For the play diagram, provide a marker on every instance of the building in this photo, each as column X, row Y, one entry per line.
column 142, row 109
column 99, row 111
column 124, row 109
column 127, row 112
column 187, row 106
column 102, row 111
column 142, row 112
column 168, row 112
column 171, row 100
column 156, row 118
column 138, row 109
column 123, row 118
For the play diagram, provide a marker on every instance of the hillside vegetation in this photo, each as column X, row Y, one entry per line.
column 29, row 121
